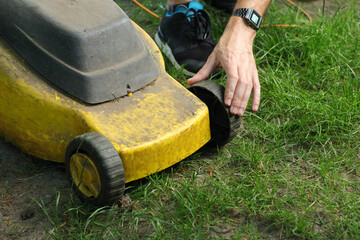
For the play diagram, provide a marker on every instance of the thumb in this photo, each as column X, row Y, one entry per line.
column 205, row 71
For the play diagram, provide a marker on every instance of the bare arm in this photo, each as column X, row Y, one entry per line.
column 234, row 53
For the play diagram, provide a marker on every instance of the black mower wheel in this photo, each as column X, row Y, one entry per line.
column 224, row 126
column 95, row 169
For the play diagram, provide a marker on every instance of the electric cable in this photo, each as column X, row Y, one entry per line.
column 146, row 9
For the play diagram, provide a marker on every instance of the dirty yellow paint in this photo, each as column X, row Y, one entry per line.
column 152, row 128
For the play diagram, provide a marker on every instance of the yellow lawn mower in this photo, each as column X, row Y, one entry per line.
column 82, row 84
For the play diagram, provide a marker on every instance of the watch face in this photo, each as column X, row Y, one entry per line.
column 255, row 18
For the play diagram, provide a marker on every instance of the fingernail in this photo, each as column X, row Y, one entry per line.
column 241, row 111
column 234, row 110
column 255, row 108
column 227, row 101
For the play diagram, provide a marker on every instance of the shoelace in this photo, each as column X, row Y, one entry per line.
column 199, row 25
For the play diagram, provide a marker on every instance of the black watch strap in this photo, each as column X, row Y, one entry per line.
column 251, row 17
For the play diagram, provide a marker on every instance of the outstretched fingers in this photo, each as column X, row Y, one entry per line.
column 241, row 83
column 232, row 79
column 242, row 93
column 242, row 80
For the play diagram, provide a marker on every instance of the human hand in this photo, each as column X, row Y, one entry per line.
column 234, row 54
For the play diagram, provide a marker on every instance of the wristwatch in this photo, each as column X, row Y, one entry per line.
column 251, row 17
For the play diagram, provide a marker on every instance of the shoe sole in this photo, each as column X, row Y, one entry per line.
column 168, row 53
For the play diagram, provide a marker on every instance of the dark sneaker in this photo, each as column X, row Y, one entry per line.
column 185, row 37
column 226, row 5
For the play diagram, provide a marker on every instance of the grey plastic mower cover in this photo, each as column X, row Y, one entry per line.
column 88, row 48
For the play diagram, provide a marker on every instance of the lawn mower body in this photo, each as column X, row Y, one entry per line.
column 72, row 67
column 157, row 126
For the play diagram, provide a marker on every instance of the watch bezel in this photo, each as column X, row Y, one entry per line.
column 251, row 13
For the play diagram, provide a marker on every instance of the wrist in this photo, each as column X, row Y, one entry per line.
column 237, row 37
column 238, row 25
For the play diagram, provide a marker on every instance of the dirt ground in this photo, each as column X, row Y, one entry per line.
column 26, row 181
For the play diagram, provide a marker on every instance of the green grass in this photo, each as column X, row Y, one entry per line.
column 292, row 173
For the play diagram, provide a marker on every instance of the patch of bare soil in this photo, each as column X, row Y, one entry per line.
column 24, row 181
